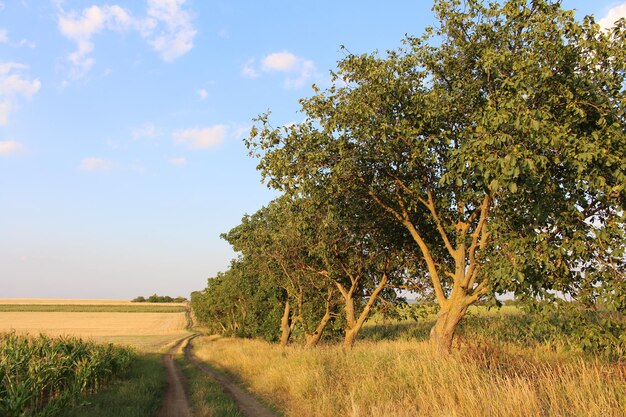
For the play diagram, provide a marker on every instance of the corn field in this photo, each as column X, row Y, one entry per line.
column 39, row 376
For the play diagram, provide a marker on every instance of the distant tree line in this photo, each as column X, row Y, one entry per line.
column 159, row 299
column 487, row 156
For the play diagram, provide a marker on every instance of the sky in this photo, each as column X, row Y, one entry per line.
column 121, row 127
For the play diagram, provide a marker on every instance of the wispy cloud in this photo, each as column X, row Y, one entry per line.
column 201, row 138
column 248, row 70
column 80, row 28
column 145, row 131
column 167, row 27
column 224, row 33
column 179, row 162
column 14, row 84
column 613, row 15
column 202, row 93
column 9, row 147
column 95, row 164
column 4, row 39
column 297, row 70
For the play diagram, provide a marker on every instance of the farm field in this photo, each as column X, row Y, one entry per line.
column 145, row 327
column 61, row 301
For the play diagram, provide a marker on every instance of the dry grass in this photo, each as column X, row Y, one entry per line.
column 402, row 379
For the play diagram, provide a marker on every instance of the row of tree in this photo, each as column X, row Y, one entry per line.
column 487, row 156
column 158, row 299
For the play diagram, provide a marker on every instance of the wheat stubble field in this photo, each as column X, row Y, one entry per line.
column 149, row 328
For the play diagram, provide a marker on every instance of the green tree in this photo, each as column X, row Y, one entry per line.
column 497, row 140
column 239, row 303
column 275, row 239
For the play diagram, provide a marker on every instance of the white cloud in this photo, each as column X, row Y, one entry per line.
column 4, row 38
column 201, row 138
column 147, row 130
column 179, row 162
column 8, row 147
column 241, row 131
column 12, row 85
column 203, row 93
column 81, row 28
column 280, row 61
column 306, row 72
column 248, row 70
column 95, row 164
column 613, row 15
column 298, row 71
column 168, row 28
column 6, row 67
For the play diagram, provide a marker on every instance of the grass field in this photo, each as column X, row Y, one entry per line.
column 403, row 379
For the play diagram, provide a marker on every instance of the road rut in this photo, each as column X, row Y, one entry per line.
column 247, row 403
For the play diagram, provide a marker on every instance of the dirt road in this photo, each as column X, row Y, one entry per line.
column 175, row 402
column 247, row 403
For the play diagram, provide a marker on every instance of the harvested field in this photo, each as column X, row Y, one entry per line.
column 147, row 327
column 92, row 308
column 79, row 301
column 93, row 324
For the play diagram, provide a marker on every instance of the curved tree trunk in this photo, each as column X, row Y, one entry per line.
column 354, row 325
column 313, row 339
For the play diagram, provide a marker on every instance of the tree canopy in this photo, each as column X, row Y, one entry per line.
column 497, row 140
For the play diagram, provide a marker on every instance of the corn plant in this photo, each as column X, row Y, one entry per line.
column 39, row 376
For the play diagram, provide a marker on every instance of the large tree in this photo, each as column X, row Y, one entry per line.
column 498, row 140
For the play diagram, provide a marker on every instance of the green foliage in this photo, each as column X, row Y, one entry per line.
column 159, row 299
column 139, row 394
column 41, row 376
column 239, row 303
column 497, row 139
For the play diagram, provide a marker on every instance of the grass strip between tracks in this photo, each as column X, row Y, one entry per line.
column 206, row 396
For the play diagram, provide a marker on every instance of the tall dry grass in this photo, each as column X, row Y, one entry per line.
column 402, row 379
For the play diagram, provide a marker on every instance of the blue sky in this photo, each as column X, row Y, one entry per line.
column 121, row 126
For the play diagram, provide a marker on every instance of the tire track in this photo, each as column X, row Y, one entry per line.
column 176, row 402
column 247, row 403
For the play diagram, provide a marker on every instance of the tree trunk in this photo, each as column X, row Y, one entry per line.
column 442, row 333
column 285, row 326
column 313, row 339
column 350, row 337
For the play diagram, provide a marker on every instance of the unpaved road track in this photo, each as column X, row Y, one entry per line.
column 247, row 403
column 175, row 402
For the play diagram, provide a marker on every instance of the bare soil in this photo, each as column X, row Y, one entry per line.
column 176, row 401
